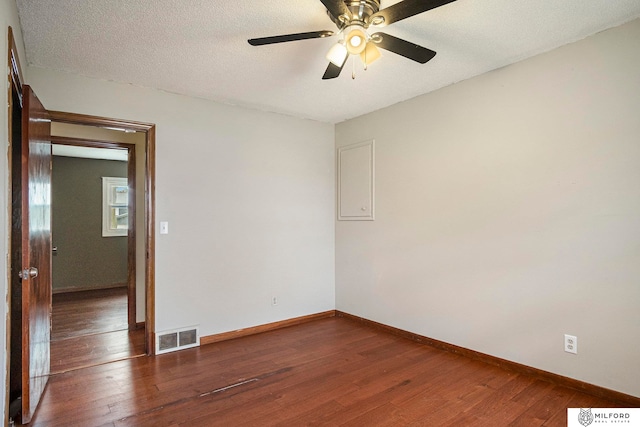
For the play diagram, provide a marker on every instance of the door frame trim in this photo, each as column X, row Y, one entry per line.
column 149, row 129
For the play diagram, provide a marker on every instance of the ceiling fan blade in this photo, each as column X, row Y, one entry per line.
column 336, row 8
column 289, row 37
column 333, row 70
column 406, row 9
column 402, row 47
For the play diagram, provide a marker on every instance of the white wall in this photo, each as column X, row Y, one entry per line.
column 8, row 17
column 249, row 197
column 508, row 213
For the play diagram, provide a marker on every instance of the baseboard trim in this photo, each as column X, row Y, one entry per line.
column 210, row 339
column 601, row 392
column 88, row 288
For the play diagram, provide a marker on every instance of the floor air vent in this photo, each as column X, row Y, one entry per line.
column 177, row 339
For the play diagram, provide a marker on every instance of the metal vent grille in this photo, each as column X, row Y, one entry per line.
column 168, row 341
column 177, row 339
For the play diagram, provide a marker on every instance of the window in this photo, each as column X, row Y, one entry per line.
column 115, row 211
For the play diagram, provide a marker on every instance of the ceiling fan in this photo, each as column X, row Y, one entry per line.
column 353, row 18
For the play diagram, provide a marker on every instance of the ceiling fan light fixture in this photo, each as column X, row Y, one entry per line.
column 369, row 54
column 356, row 40
column 337, row 54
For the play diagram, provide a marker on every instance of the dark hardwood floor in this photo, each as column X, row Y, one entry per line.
column 330, row 372
column 90, row 328
column 88, row 312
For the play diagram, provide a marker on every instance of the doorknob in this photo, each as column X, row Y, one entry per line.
column 28, row 273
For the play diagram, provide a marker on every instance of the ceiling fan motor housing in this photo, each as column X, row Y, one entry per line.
column 361, row 13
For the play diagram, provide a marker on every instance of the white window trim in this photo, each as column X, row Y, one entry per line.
column 108, row 202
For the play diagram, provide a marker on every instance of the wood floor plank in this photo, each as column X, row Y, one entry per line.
column 88, row 312
column 548, row 406
column 327, row 372
column 90, row 328
column 311, row 416
column 381, row 416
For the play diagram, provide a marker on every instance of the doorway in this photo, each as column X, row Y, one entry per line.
column 94, row 266
column 141, row 173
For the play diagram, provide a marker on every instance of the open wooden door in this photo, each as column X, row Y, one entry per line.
column 36, row 251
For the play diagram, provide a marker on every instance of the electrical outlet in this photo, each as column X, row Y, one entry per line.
column 570, row 344
column 274, row 301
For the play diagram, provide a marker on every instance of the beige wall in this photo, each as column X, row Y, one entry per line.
column 96, row 133
column 508, row 213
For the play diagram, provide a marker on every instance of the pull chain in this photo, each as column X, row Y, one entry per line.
column 353, row 69
column 365, row 59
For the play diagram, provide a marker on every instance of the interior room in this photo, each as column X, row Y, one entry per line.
column 482, row 201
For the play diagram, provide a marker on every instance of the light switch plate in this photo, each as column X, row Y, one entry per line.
column 164, row 227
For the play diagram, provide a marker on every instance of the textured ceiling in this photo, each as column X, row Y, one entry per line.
column 199, row 47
